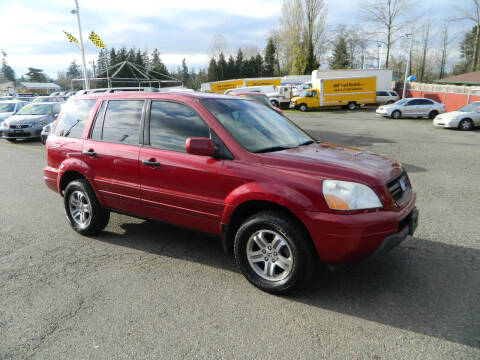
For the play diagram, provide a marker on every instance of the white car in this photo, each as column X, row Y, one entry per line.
column 387, row 97
column 411, row 107
column 466, row 118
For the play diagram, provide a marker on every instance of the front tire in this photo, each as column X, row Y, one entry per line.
column 274, row 252
column 466, row 125
column 351, row 106
column 396, row 114
column 275, row 103
column 84, row 212
column 302, row 108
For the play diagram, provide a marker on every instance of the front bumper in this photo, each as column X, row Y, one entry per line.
column 27, row 133
column 445, row 123
column 340, row 238
column 383, row 113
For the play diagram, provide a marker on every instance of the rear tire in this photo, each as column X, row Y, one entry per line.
column 351, row 106
column 302, row 107
column 432, row 114
column 274, row 252
column 466, row 125
column 396, row 114
column 84, row 212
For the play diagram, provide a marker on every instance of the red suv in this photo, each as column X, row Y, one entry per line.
column 280, row 200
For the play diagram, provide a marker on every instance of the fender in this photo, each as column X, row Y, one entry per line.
column 79, row 166
column 265, row 191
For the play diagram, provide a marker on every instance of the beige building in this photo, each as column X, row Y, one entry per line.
column 37, row 88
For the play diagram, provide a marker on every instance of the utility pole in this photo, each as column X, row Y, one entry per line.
column 380, row 51
column 82, row 49
column 407, row 69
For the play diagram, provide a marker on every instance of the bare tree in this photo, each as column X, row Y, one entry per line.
column 390, row 18
column 250, row 51
column 425, row 40
column 218, row 46
column 444, row 44
column 472, row 13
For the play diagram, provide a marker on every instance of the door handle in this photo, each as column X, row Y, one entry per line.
column 90, row 153
column 151, row 162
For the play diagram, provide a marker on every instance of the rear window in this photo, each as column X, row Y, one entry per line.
column 74, row 117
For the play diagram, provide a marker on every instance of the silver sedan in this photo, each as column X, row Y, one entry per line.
column 466, row 118
column 411, row 107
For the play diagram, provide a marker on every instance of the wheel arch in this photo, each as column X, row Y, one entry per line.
column 246, row 209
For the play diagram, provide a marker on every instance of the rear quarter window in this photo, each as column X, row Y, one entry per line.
column 74, row 117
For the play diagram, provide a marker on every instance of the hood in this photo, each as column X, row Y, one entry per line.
column 25, row 119
column 336, row 162
column 454, row 114
column 5, row 115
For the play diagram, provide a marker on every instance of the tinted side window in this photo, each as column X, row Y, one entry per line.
column 171, row 124
column 74, row 117
column 96, row 132
column 425, row 102
column 122, row 121
column 382, row 93
column 412, row 102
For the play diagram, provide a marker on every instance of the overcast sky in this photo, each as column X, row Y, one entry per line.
column 32, row 29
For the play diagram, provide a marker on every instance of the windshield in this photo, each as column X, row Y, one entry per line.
column 474, row 107
column 30, row 109
column 256, row 127
column 304, row 93
column 401, row 102
column 7, row 107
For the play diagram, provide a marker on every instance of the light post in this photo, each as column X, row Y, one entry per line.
column 380, row 51
column 85, row 76
column 407, row 69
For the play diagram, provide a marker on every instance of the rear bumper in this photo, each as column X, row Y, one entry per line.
column 50, row 176
column 342, row 238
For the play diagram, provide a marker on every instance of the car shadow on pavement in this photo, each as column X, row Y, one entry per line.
column 422, row 286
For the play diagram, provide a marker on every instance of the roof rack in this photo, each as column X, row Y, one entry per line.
column 118, row 89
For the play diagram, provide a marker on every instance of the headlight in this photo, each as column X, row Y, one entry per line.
column 346, row 195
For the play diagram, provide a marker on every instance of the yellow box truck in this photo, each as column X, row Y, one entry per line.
column 349, row 92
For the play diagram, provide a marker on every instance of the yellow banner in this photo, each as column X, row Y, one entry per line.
column 221, row 87
column 348, row 86
column 264, row 82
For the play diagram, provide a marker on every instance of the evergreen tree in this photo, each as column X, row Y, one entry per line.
column 156, row 63
column 6, row 69
column 36, row 75
column 467, row 49
column 74, row 71
column 269, row 58
column 311, row 60
column 239, row 64
column 212, row 70
column 121, row 55
column 184, row 75
column 113, row 57
column 221, row 67
column 139, row 59
column 340, row 58
column 259, row 65
column 231, row 70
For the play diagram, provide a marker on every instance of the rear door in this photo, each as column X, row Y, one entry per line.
column 424, row 107
column 111, row 153
column 178, row 187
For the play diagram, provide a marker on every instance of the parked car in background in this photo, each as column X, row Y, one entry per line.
column 30, row 120
column 280, row 200
column 10, row 107
column 411, row 107
column 387, row 97
column 258, row 97
column 44, row 99
column 466, row 118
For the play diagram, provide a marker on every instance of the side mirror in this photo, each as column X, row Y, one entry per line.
column 200, row 146
column 55, row 116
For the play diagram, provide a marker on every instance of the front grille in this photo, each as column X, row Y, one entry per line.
column 19, row 126
column 399, row 192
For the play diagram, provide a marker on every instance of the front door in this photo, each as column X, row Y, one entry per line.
column 111, row 154
column 178, row 187
column 312, row 99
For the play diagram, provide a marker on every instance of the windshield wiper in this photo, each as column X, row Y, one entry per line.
column 272, row 148
column 308, row 142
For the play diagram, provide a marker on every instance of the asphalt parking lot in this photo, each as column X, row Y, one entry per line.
column 146, row 290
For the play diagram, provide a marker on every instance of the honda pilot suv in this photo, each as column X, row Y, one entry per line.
column 280, row 200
